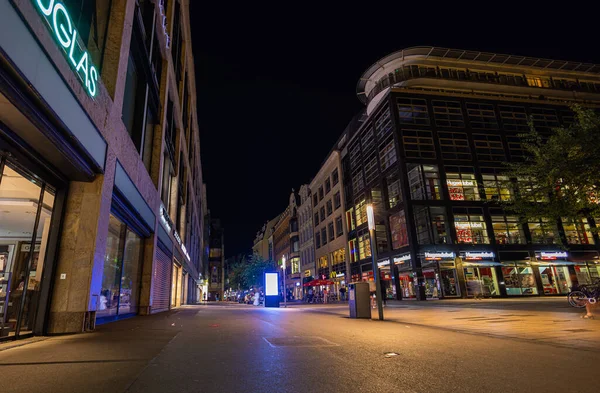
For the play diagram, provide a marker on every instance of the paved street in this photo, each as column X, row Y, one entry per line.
column 441, row 347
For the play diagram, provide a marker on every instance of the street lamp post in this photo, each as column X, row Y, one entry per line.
column 371, row 221
column 284, row 287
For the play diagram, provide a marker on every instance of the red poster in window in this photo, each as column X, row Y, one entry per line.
column 464, row 235
column 456, row 193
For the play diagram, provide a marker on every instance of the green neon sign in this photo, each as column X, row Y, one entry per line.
column 59, row 23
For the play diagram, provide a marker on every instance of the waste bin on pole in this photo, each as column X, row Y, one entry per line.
column 359, row 300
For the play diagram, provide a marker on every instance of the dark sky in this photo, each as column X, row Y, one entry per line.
column 276, row 84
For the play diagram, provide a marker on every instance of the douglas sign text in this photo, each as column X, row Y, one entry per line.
column 60, row 23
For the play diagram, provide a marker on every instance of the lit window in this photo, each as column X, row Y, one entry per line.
column 470, row 229
column 577, row 232
column 508, row 230
column 542, row 231
column 424, row 182
column 497, row 188
column 462, row 187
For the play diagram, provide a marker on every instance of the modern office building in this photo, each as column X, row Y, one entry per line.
column 286, row 243
column 429, row 157
column 100, row 178
column 330, row 239
column 306, row 230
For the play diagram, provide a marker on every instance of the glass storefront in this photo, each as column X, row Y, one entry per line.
column 555, row 279
column 519, row 278
column 407, row 284
column 122, row 271
column 432, row 284
column 587, row 272
column 449, row 281
column 26, row 205
column 481, row 280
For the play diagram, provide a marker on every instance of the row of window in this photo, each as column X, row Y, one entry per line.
column 322, row 237
column 328, row 209
column 335, row 258
column 418, row 71
column 331, row 181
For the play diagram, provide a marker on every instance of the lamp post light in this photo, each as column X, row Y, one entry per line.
column 371, row 221
column 284, row 287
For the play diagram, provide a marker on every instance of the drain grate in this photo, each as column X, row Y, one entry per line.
column 299, row 341
column 577, row 330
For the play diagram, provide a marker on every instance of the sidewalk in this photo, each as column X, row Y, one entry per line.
column 106, row 360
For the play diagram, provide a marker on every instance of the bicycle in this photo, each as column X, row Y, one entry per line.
column 584, row 294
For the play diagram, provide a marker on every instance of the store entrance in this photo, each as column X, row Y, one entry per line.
column 555, row 279
column 481, row 281
column 432, row 286
column 26, row 205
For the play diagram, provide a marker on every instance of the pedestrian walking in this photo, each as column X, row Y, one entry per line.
column 588, row 310
column 383, row 294
column 325, row 295
column 343, row 293
column 310, row 295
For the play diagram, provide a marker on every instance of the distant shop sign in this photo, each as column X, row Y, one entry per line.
column 552, row 255
column 402, row 259
column 478, row 255
column 59, row 22
column 438, row 256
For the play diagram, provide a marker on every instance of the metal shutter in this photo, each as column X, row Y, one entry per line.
column 161, row 280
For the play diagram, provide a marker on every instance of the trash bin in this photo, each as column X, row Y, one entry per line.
column 359, row 300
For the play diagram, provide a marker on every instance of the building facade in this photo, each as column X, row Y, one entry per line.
column 215, row 276
column 306, row 230
column 100, row 175
column 263, row 245
column 286, row 243
column 430, row 158
column 330, row 235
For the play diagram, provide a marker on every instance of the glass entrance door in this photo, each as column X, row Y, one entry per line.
column 481, row 281
column 449, row 283
column 26, row 205
column 555, row 279
column 432, row 285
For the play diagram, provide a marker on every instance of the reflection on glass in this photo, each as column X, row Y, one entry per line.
column 449, row 282
column 555, row 279
column 109, row 295
column 481, row 281
column 130, row 281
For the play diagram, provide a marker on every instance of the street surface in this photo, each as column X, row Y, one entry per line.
column 521, row 345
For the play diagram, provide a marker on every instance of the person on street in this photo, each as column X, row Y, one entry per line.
column 343, row 293
column 310, row 295
column 588, row 310
column 382, row 294
column 256, row 298
column 325, row 296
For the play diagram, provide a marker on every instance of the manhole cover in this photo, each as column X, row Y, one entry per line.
column 299, row 341
column 390, row 354
column 577, row 330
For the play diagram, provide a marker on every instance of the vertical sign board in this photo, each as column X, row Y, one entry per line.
column 271, row 289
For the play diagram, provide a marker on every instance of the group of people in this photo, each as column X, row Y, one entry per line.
column 324, row 295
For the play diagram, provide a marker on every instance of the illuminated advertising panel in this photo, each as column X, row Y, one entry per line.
column 271, row 284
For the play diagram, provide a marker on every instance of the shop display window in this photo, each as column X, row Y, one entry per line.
column 462, row 186
column 432, row 284
column 577, row 231
column 122, row 271
column 470, row 229
column 519, row 279
column 449, row 283
column 481, row 281
column 25, row 216
column 587, row 273
column 407, row 285
column 508, row 230
column 555, row 279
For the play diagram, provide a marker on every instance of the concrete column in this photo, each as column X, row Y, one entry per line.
column 80, row 264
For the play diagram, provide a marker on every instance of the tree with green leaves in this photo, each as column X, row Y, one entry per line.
column 560, row 179
column 256, row 268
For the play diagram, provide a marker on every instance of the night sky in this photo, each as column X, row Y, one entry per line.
column 276, row 85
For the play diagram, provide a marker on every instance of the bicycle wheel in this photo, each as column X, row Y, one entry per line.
column 577, row 299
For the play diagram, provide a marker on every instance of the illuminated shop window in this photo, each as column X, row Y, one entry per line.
column 577, row 231
column 462, row 186
column 508, row 230
column 470, row 228
column 542, row 231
